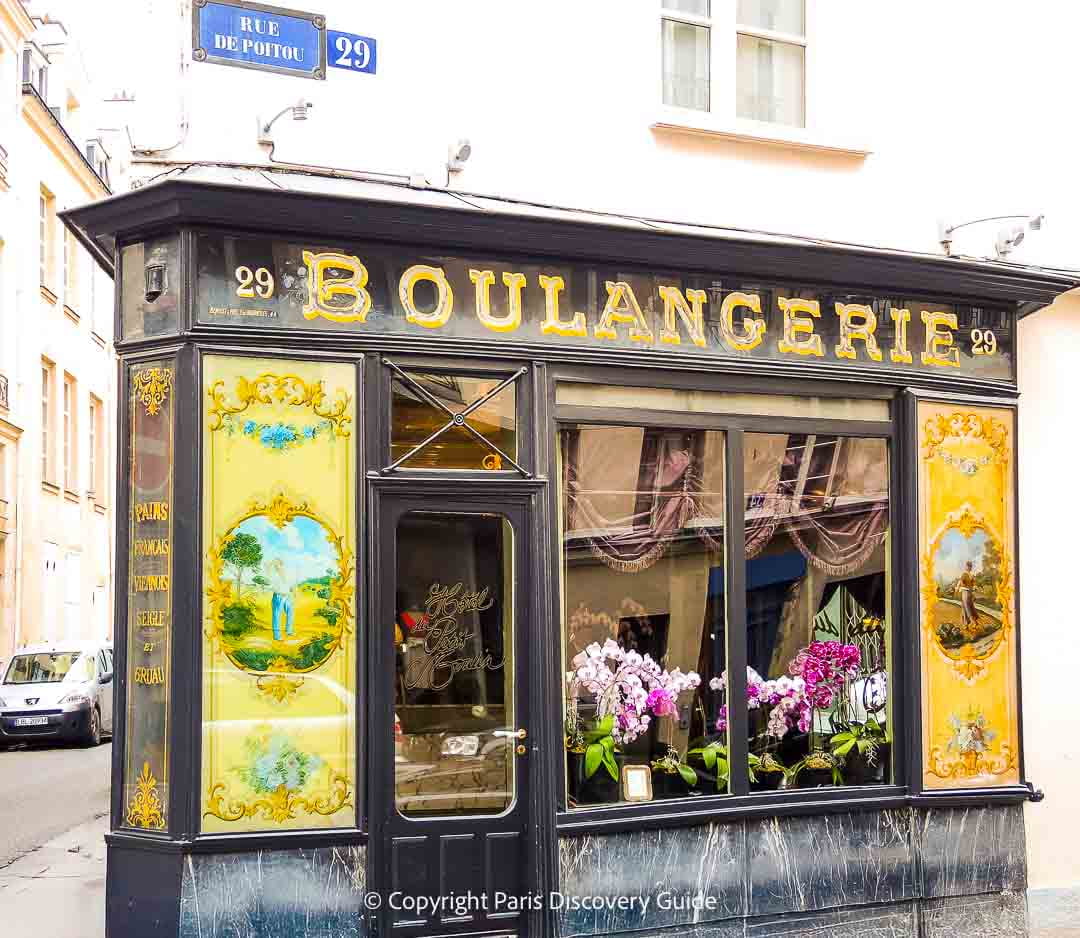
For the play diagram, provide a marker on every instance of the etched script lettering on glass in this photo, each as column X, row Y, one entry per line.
column 445, row 637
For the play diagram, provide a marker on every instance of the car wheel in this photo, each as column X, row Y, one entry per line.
column 93, row 729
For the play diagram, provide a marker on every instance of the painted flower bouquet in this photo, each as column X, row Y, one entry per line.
column 971, row 737
column 274, row 762
column 629, row 690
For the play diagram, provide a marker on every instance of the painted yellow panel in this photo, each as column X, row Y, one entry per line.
column 967, row 589
column 279, row 648
column 150, row 573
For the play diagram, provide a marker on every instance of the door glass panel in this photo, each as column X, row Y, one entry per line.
column 483, row 437
column 454, row 718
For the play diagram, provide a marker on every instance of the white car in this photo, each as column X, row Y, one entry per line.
column 57, row 690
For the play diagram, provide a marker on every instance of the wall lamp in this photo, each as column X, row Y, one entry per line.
column 299, row 113
column 1007, row 238
column 456, row 157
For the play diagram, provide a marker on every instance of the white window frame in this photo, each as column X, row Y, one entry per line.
column 721, row 119
column 71, row 429
column 48, row 443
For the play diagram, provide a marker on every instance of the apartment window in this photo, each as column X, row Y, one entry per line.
column 767, row 72
column 46, row 229
column 95, row 467
column 47, row 448
column 71, row 270
column 70, row 421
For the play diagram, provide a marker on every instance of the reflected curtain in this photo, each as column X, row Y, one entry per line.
column 669, row 494
column 665, row 499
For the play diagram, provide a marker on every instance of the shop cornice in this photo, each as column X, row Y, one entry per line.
column 442, row 219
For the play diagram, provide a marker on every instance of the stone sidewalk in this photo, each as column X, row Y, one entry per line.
column 58, row 890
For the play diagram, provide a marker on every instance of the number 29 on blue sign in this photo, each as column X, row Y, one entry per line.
column 345, row 50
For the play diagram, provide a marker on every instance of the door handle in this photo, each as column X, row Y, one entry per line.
column 511, row 734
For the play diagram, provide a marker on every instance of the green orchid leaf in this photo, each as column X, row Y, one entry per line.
column 843, row 749
column 611, row 766
column 688, row 774
column 708, row 756
column 593, row 756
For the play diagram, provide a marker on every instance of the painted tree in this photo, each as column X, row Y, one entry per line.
column 242, row 552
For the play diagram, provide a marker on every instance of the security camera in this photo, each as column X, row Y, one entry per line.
column 459, row 153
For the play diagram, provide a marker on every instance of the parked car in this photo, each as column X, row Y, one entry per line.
column 60, row 690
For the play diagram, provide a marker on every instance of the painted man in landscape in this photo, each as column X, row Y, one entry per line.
column 281, row 605
column 965, row 588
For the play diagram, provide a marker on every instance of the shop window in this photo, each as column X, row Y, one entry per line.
column 445, row 421
column 817, row 624
column 454, row 723
column 645, row 638
column 644, row 628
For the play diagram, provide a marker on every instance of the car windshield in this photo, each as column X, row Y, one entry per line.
column 46, row 668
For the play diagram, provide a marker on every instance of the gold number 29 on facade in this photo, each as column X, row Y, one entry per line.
column 983, row 342
column 257, row 283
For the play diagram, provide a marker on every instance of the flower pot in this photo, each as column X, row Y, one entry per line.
column 793, row 747
column 601, row 788
column 672, row 785
column 859, row 771
column 766, row 781
column 814, row 778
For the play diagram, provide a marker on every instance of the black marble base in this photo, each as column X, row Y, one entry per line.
column 862, row 875
column 274, row 894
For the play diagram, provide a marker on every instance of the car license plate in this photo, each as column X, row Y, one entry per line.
column 32, row 721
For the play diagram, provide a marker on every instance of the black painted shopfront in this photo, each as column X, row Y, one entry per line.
column 493, row 569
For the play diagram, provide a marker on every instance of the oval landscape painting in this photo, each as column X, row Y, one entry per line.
column 967, row 612
column 279, row 616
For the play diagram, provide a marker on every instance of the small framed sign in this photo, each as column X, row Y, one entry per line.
column 636, row 783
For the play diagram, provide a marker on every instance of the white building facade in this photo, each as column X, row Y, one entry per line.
column 840, row 121
column 56, row 361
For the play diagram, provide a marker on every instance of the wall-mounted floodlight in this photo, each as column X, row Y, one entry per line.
column 299, row 113
column 1007, row 238
column 459, row 153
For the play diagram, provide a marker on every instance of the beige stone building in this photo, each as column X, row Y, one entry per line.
column 56, row 361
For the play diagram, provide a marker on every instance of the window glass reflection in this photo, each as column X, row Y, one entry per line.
column 818, row 636
column 424, row 403
column 643, row 554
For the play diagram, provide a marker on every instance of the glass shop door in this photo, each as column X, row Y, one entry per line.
column 450, row 788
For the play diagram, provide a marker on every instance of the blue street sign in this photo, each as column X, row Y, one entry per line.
column 345, row 50
column 253, row 35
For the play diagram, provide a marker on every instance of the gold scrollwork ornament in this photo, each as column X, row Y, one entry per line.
column 290, row 390
column 966, row 427
column 146, row 809
column 151, row 387
column 962, row 765
column 280, row 805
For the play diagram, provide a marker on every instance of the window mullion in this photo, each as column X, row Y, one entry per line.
column 735, row 612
